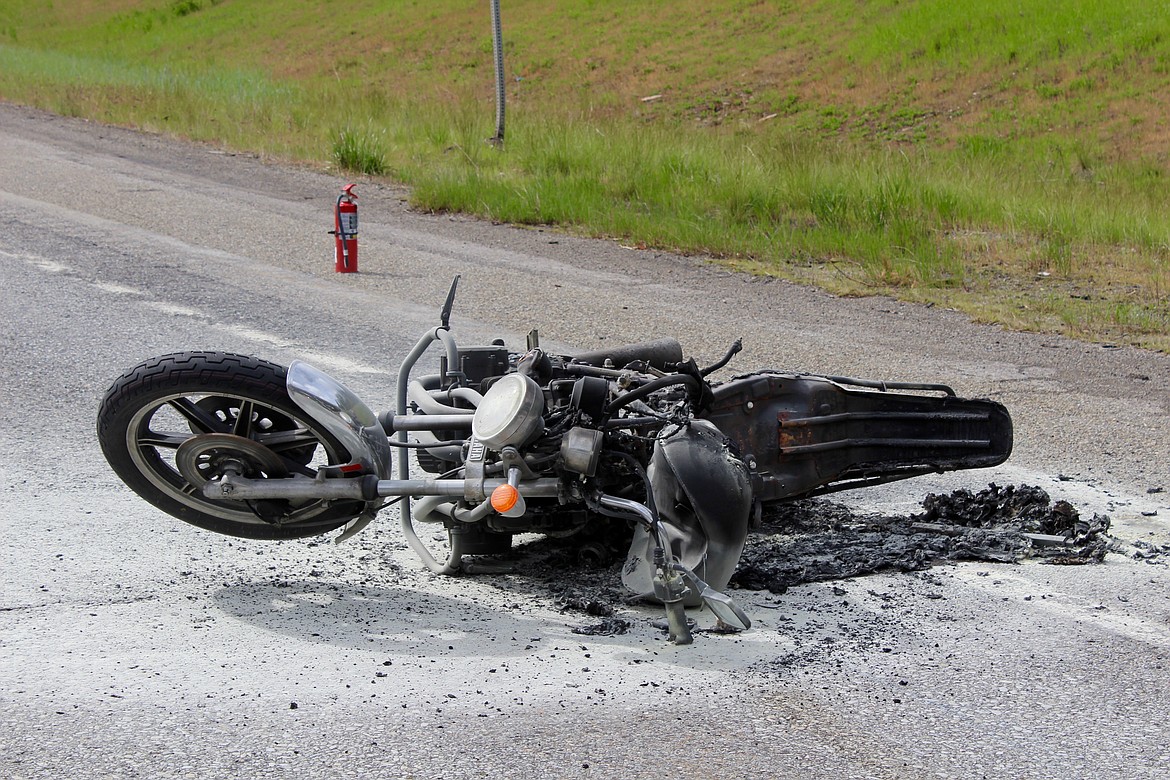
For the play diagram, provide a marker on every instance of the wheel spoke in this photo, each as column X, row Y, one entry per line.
column 281, row 441
column 199, row 418
column 163, row 440
column 243, row 423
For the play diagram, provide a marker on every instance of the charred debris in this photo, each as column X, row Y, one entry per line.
column 816, row 540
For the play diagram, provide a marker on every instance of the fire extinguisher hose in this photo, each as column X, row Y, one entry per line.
column 341, row 234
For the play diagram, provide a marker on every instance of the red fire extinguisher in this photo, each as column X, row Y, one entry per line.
column 345, row 231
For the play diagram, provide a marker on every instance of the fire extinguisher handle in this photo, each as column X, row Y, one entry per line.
column 348, row 190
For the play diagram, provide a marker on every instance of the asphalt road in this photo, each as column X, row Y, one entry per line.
column 134, row 646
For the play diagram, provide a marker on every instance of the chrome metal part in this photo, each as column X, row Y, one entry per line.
column 451, row 564
column 511, row 412
column 362, row 489
column 422, row 393
column 670, row 588
column 545, row 487
column 392, row 423
column 356, row 526
column 345, row 416
column 653, row 532
column 297, row 488
column 514, row 461
column 721, row 605
column 625, row 505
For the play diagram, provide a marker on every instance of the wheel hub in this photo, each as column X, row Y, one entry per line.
column 211, row 455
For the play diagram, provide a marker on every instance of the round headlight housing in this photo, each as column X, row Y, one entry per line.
column 510, row 412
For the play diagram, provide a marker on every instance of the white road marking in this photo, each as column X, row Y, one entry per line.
column 40, row 262
column 318, row 359
column 173, row 309
column 117, row 289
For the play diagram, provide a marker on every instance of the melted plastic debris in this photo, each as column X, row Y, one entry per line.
column 609, row 627
column 816, row 540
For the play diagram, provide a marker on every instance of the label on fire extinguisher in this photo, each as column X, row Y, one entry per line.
column 349, row 223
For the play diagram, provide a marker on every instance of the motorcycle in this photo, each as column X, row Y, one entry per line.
column 510, row 443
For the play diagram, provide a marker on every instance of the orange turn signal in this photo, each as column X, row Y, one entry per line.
column 504, row 498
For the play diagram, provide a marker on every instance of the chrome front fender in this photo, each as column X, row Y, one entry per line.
column 344, row 414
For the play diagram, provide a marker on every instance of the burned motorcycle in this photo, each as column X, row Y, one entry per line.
column 531, row 442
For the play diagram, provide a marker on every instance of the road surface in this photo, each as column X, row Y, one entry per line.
column 135, row 646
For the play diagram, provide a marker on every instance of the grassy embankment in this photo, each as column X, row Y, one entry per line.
column 1007, row 159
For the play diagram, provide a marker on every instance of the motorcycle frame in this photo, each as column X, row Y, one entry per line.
column 346, row 416
column 800, row 435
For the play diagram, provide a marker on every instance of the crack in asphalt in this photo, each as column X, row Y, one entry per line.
column 66, row 603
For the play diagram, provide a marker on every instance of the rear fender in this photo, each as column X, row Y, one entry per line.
column 806, row 435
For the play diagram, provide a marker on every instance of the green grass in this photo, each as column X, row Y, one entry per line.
column 360, row 151
column 1003, row 159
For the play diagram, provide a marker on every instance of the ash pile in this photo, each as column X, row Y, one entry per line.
column 815, row 540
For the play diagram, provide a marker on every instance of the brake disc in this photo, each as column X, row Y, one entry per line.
column 211, row 455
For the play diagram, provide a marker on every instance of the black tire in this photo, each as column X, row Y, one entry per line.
column 195, row 399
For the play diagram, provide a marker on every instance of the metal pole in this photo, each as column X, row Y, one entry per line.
column 498, row 47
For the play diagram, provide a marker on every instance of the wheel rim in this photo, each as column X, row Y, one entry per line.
column 181, row 440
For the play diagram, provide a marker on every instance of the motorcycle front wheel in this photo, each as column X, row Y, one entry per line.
column 172, row 423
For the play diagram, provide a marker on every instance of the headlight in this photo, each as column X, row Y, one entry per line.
column 510, row 413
